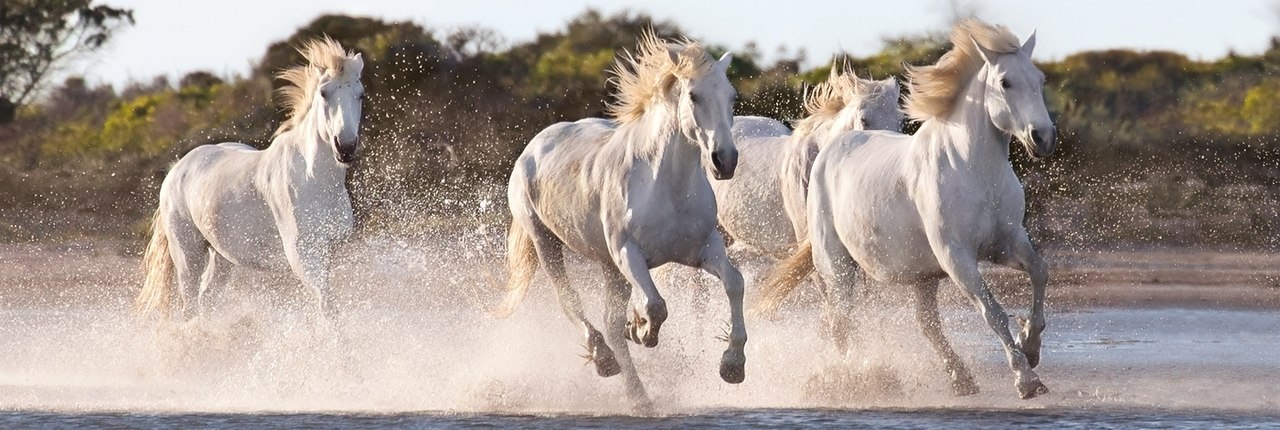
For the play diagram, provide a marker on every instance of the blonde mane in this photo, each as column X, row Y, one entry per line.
column 933, row 89
column 639, row 79
column 824, row 101
column 325, row 58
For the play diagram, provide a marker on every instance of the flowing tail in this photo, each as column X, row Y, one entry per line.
column 158, row 266
column 522, row 263
column 784, row 278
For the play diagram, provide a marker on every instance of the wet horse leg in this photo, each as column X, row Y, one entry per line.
column 838, row 280
column 962, row 383
column 964, row 272
column 1022, row 256
column 644, row 325
column 617, row 332
column 597, row 352
column 190, row 254
column 716, row 261
column 214, row 281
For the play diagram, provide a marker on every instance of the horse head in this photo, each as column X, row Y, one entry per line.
column 341, row 105
column 704, row 107
column 1015, row 97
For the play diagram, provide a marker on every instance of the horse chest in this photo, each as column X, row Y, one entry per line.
column 671, row 230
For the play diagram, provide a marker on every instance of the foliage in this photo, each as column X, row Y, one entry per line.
column 1154, row 147
column 39, row 36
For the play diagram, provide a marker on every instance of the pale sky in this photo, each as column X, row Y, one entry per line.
column 177, row 36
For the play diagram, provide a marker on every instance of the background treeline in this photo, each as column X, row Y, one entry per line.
column 1156, row 149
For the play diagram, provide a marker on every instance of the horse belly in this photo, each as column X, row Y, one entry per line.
column 889, row 242
column 246, row 234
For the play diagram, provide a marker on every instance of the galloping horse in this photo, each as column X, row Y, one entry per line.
column 917, row 209
column 755, row 208
column 281, row 208
column 632, row 195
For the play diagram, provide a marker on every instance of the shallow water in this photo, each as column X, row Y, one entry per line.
column 415, row 347
column 759, row 418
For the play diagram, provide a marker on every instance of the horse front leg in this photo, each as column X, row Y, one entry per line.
column 644, row 324
column 964, row 272
column 617, row 332
column 1022, row 256
column 309, row 260
column 715, row 260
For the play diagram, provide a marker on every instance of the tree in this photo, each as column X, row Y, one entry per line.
column 37, row 37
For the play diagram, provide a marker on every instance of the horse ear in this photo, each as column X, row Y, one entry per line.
column 674, row 53
column 359, row 62
column 1030, row 44
column 724, row 61
column 986, row 54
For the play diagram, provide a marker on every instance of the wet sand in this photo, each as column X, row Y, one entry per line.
column 1165, row 331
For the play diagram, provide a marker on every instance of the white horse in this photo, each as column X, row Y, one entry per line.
column 281, row 208
column 916, row 209
column 755, row 208
column 632, row 195
column 747, row 126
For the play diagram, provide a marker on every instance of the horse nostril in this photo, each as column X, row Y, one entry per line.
column 1036, row 137
column 715, row 160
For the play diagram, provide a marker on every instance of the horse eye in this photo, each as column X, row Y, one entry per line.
column 693, row 98
column 864, row 123
column 1004, row 83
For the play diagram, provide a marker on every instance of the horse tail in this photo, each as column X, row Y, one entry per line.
column 783, row 279
column 158, row 266
column 522, row 263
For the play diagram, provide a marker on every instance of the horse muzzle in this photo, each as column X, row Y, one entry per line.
column 1039, row 143
column 723, row 163
column 1043, row 142
column 346, row 153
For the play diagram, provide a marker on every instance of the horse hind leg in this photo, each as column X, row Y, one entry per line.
column 838, row 281
column 597, row 351
column 962, row 383
column 190, row 256
column 214, row 281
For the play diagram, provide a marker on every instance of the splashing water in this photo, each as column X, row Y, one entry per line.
column 414, row 335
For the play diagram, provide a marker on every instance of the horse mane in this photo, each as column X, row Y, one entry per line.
column 824, row 101
column 324, row 57
column 933, row 89
column 640, row 77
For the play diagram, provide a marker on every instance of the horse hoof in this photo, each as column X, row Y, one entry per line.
column 733, row 367
column 642, row 333
column 1032, row 389
column 606, row 365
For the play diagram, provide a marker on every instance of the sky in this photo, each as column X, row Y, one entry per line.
column 173, row 37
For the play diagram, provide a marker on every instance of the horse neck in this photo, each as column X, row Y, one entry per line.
column 817, row 134
column 307, row 141
column 656, row 139
column 968, row 135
